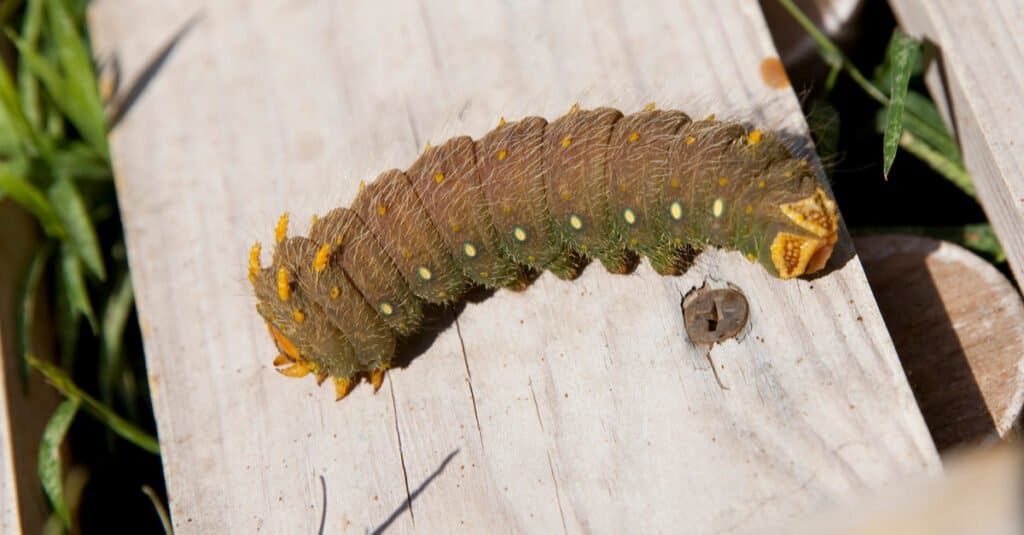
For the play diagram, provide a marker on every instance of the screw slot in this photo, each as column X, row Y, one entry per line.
column 713, row 315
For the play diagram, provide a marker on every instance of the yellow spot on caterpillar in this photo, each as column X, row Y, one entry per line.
column 633, row 242
column 749, row 209
column 676, row 210
column 456, row 227
column 761, row 184
column 566, row 141
column 469, row 250
column 386, row 308
column 718, row 208
column 752, row 257
column 502, row 154
column 634, row 137
column 501, row 122
column 710, row 117
column 320, row 260
column 284, row 290
column 723, row 181
column 485, row 274
column 754, row 137
column 690, row 140
column 338, row 241
column 424, row 273
column 575, row 222
column 438, row 178
column 298, row 369
column 362, row 185
column 316, row 219
column 678, row 242
column 649, row 107
column 281, row 230
column 254, row 261
column 531, row 259
column 298, row 315
column 377, row 378
column 629, row 216
column 441, row 294
column 342, row 387
column 574, row 108
column 506, row 208
column 788, row 174
column 803, row 162
column 426, row 146
column 335, row 292
column 674, row 183
column 382, row 210
column 584, row 248
column 519, row 233
column 407, row 253
column 566, row 196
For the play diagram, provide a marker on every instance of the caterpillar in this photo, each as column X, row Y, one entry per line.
column 530, row 196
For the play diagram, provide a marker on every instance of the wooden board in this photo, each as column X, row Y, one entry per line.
column 573, row 407
column 24, row 408
column 976, row 81
column 958, row 326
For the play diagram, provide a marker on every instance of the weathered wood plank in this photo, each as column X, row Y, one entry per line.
column 976, row 81
column 23, row 411
column 576, row 406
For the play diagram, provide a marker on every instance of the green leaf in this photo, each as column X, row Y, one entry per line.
column 50, row 472
column 125, row 429
column 73, row 281
column 81, row 89
column 17, row 138
column 15, row 186
column 28, row 86
column 81, row 234
column 949, row 168
column 902, row 54
column 79, row 162
column 115, row 318
column 28, row 291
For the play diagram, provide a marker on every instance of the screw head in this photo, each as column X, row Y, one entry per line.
column 713, row 315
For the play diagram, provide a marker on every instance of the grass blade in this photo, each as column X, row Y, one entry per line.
column 28, row 86
column 73, row 280
column 161, row 511
column 115, row 318
column 902, row 54
column 125, row 429
column 79, row 77
column 50, row 472
column 14, row 185
column 81, row 234
column 16, row 134
column 28, row 291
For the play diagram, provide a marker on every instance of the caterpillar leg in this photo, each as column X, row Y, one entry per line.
column 619, row 261
column 568, row 266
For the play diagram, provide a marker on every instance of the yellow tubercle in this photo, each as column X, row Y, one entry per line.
column 254, row 261
column 298, row 315
column 281, row 230
column 284, row 289
column 323, row 254
column 634, row 137
column 566, row 141
column 502, row 154
column 754, row 137
column 650, row 106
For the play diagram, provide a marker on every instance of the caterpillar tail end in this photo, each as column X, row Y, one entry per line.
column 798, row 254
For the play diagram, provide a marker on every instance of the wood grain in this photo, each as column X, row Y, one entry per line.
column 976, row 81
column 568, row 407
column 958, row 326
column 24, row 407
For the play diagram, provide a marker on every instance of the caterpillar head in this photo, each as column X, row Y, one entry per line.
column 807, row 245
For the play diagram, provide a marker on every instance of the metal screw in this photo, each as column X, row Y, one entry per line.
column 714, row 315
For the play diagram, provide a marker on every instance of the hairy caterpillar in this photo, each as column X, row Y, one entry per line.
column 528, row 196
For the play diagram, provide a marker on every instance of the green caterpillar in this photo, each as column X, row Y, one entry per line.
column 529, row 196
